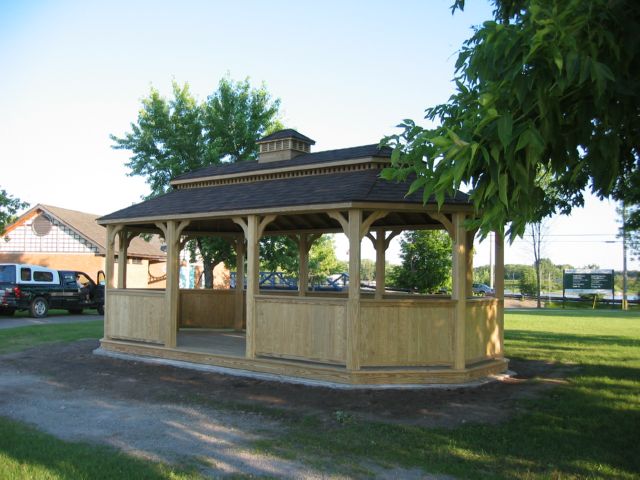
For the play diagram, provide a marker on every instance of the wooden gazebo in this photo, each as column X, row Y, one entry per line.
column 352, row 337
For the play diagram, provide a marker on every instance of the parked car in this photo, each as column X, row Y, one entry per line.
column 482, row 289
column 36, row 289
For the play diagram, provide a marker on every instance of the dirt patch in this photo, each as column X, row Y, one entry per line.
column 163, row 412
column 510, row 302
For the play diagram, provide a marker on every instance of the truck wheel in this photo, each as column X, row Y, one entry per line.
column 75, row 311
column 39, row 307
column 100, row 309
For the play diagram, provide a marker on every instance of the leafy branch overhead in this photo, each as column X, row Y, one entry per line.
column 546, row 106
column 9, row 207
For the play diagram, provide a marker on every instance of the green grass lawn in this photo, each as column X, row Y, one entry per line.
column 26, row 453
column 588, row 428
column 19, row 338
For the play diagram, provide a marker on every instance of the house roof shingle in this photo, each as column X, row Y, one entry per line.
column 85, row 224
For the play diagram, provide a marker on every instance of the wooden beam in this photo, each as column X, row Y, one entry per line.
column 243, row 224
column 448, row 224
column 266, row 220
column 339, row 217
column 366, row 224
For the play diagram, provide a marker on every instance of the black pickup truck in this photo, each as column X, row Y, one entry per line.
column 36, row 289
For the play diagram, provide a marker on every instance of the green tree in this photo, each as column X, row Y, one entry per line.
column 528, row 282
column 367, row 269
column 426, row 261
column 322, row 258
column 178, row 135
column 9, row 206
column 547, row 89
column 280, row 253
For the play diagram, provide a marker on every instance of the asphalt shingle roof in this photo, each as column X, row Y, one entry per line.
column 327, row 156
column 355, row 186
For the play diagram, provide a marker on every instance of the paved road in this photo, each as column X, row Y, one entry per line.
column 13, row 322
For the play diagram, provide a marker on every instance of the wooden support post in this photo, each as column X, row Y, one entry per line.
column 354, row 233
column 459, row 290
column 172, row 231
column 469, row 236
column 253, row 268
column 124, row 240
column 112, row 232
column 380, row 261
column 303, row 272
column 381, row 243
column 109, row 261
column 499, row 286
column 239, row 307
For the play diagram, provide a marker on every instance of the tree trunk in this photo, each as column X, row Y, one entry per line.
column 207, row 264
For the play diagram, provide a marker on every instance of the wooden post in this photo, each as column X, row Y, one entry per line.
column 354, row 234
column 499, row 286
column 303, row 272
column 470, row 235
column 459, row 290
column 172, row 231
column 381, row 242
column 124, row 240
column 381, row 250
column 239, row 308
column 109, row 261
column 253, row 269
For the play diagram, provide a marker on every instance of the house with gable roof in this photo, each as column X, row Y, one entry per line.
column 71, row 240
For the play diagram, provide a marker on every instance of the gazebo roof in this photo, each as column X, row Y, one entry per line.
column 300, row 189
column 325, row 157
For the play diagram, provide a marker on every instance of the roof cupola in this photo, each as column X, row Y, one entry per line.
column 283, row 145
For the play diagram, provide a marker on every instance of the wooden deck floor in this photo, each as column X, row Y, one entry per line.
column 217, row 342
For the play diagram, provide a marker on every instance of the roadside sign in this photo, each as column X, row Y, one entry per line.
column 589, row 281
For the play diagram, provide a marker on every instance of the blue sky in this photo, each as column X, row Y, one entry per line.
column 347, row 72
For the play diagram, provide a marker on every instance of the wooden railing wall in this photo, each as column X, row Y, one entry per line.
column 482, row 333
column 312, row 329
column 406, row 332
column 135, row 314
column 207, row 308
